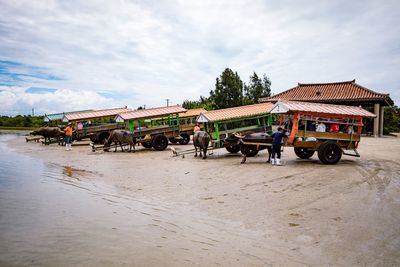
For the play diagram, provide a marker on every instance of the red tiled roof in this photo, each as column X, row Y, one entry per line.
column 85, row 115
column 149, row 113
column 293, row 106
column 348, row 91
column 234, row 113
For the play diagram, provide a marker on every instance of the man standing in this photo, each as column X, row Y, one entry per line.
column 276, row 146
column 68, row 136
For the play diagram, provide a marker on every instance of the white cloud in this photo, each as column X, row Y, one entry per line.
column 145, row 52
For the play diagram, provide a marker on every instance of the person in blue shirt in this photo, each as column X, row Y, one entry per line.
column 276, row 146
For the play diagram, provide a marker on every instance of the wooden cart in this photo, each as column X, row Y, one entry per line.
column 330, row 145
column 154, row 127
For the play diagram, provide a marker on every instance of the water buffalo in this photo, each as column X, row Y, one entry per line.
column 120, row 137
column 261, row 141
column 49, row 132
column 201, row 139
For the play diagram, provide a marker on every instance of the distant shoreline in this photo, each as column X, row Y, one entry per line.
column 17, row 129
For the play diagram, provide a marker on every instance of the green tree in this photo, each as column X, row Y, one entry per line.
column 391, row 120
column 228, row 90
column 203, row 102
column 257, row 88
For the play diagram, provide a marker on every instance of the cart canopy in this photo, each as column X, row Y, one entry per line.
column 234, row 113
column 290, row 107
column 93, row 114
column 149, row 113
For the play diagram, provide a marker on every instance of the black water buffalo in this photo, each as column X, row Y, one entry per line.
column 49, row 132
column 120, row 137
column 261, row 141
column 201, row 139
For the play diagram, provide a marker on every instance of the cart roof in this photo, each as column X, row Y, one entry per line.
column 319, row 108
column 192, row 112
column 234, row 113
column 60, row 116
column 148, row 113
column 94, row 114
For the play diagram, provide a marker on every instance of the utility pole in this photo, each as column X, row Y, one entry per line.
column 167, row 101
column 33, row 112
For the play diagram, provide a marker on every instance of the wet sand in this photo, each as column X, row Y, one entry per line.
column 218, row 212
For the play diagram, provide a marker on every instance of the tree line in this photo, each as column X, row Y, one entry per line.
column 21, row 121
column 231, row 91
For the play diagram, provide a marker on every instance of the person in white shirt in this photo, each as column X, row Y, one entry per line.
column 320, row 127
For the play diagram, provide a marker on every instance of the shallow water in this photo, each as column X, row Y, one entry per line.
column 52, row 215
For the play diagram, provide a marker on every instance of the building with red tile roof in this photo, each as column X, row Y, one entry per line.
column 345, row 93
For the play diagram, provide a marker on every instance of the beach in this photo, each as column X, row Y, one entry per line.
column 218, row 212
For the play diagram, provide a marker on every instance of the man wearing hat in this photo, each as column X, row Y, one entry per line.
column 68, row 136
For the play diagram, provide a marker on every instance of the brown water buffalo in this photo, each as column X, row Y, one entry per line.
column 49, row 132
column 201, row 139
column 120, row 137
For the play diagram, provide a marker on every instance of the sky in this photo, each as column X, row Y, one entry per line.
column 59, row 56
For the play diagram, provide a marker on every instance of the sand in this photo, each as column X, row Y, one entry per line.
column 221, row 212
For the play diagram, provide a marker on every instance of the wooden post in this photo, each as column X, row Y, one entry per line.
column 376, row 120
column 216, row 131
column 269, row 119
column 295, row 126
column 359, row 126
column 131, row 127
column 381, row 118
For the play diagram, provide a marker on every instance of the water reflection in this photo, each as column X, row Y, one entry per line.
column 53, row 215
column 68, row 171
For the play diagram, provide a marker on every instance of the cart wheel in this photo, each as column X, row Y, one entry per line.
column 303, row 153
column 172, row 140
column 148, row 144
column 249, row 151
column 160, row 142
column 233, row 149
column 329, row 152
column 185, row 139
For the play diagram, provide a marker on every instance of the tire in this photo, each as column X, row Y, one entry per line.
column 185, row 139
column 172, row 140
column 160, row 142
column 249, row 151
column 148, row 144
column 233, row 149
column 329, row 152
column 303, row 153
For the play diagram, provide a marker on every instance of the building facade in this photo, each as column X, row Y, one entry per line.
column 345, row 93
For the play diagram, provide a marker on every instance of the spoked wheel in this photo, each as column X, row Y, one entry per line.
column 303, row 153
column 185, row 139
column 329, row 152
column 147, row 144
column 160, row 142
column 249, row 151
column 233, row 149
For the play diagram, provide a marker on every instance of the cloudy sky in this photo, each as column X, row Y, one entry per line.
column 74, row 55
